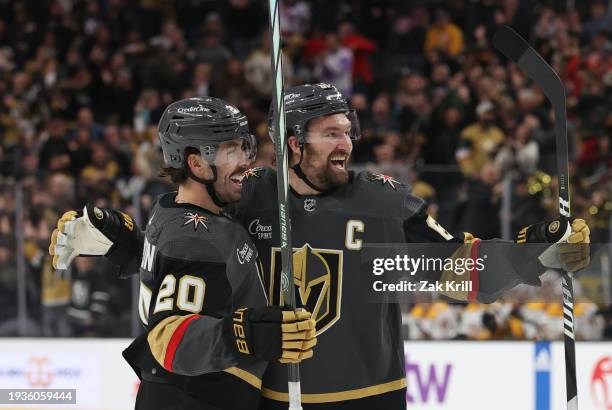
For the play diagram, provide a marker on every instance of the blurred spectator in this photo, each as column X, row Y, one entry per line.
column 381, row 120
column 479, row 141
column 435, row 321
column 90, row 312
column 444, row 138
column 80, row 149
column 59, row 196
column 55, row 294
column 482, row 322
column 55, row 154
column 8, row 281
column 335, row 65
column 600, row 216
column 520, row 152
column 294, row 17
column 201, row 79
column 85, row 120
column 361, row 48
column 98, row 177
column 601, row 19
column 444, row 35
column 244, row 20
column 258, row 71
column 234, row 87
column 482, row 212
column 119, row 150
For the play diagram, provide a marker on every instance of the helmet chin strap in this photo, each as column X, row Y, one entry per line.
column 300, row 173
column 209, row 185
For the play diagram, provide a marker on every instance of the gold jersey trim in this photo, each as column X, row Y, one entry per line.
column 246, row 376
column 341, row 395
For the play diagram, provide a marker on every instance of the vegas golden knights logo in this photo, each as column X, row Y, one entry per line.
column 318, row 282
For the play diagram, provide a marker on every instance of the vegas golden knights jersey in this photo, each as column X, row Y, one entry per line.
column 197, row 268
column 359, row 353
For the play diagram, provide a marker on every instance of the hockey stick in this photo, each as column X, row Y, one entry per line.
column 513, row 46
column 282, row 186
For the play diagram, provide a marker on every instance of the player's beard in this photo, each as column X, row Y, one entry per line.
column 325, row 175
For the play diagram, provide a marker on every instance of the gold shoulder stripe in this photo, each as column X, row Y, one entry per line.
column 250, row 378
column 339, row 396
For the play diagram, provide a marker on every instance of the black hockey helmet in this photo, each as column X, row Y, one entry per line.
column 308, row 101
column 202, row 123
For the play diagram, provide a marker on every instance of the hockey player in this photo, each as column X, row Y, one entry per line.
column 359, row 362
column 210, row 333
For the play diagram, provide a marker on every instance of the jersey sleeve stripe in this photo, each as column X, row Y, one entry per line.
column 474, row 274
column 175, row 340
column 166, row 336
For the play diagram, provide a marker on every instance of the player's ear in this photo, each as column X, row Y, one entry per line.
column 198, row 166
column 294, row 145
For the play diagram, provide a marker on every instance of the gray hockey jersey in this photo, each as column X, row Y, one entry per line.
column 197, row 268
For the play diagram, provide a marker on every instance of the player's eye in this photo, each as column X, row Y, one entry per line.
column 245, row 146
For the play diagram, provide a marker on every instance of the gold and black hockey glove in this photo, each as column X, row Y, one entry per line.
column 94, row 232
column 271, row 334
column 571, row 249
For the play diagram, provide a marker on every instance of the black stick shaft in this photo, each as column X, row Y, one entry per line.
column 513, row 46
column 280, row 138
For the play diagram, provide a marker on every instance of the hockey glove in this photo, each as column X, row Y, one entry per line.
column 571, row 249
column 94, row 232
column 271, row 334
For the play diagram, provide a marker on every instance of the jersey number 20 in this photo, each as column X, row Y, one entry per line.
column 189, row 297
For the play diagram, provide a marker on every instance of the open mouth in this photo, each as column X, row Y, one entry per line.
column 338, row 161
column 237, row 177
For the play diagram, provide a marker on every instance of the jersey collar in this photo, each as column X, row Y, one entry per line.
column 167, row 201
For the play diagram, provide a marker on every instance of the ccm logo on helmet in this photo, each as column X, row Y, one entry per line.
column 198, row 108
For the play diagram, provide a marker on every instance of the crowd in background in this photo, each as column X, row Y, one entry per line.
column 83, row 84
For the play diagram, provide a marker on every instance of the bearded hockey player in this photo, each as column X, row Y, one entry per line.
column 360, row 360
column 210, row 333
column 335, row 213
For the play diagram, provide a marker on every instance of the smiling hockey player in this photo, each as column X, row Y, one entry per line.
column 209, row 329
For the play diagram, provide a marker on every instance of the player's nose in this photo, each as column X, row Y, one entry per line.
column 345, row 144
